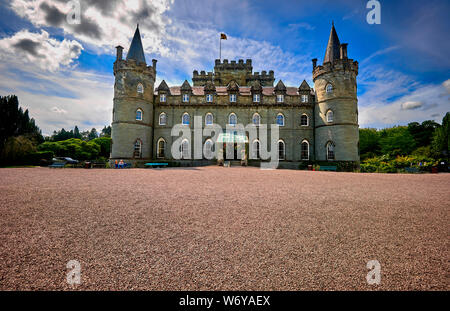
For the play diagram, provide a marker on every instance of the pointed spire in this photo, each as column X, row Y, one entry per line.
column 332, row 53
column 136, row 51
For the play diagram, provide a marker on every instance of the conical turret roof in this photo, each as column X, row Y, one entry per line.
column 136, row 51
column 332, row 53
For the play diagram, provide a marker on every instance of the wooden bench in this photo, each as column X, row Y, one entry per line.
column 156, row 164
column 57, row 165
column 411, row 169
column 98, row 165
column 328, row 168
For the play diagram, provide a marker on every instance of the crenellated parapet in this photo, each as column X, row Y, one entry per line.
column 239, row 71
column 131, row 65
column 265, row 79
column 226, row 65
column 345, row 65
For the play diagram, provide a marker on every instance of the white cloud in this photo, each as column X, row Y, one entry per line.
column 411, row 105
column 39, row 49
column 423, row 102
column 104, row 24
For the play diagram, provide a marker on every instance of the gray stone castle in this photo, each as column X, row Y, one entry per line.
column 314, row 124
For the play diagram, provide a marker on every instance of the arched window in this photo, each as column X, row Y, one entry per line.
column 162, row 118
column 209, row 119
column 281, row 150
column 304, row 120
column 162, row 98
column 140, row 88
column 209, row 98
column 232, row 119
column 139, row 115
column 330, row 151
column 256, row 149
column 186, row 119
column 208, row 149
column 330, row 116
column 233, row 98
column 185, row 98
column 161, row 149
column 256, row 120
column 329, row 88
column 185, row 149
column 280, row 119
column 305, row 150
column 137, row 148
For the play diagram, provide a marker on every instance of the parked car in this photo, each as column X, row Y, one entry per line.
column 65, row 159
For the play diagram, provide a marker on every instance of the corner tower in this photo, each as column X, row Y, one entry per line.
column 132, row 126
column 336, row 110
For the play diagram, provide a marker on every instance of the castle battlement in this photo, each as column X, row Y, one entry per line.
column 337, row 65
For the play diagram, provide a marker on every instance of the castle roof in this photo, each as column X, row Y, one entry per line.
column 243, row 90
column 136, row 51
column 332, row 53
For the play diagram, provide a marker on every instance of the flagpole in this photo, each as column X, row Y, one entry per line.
column 220, row 47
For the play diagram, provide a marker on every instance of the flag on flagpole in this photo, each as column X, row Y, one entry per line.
column 223, row 36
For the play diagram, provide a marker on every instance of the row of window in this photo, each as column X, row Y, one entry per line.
column 232, row 119
column 256, row 97
column 185, row 150
column 232, row 98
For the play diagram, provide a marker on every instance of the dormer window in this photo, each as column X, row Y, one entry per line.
column 232, row 98
column 280, row 98
column 185, row 98
column 209, row 98
column 162, row 98
column 304, row 98
column 140, row 88
column 329, row 88
column 256, row 98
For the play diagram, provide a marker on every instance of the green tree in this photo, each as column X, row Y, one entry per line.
column 441, row 138
column 369, row 143
column 92, row 134
column 423, row 133
column 105, row 146
column 396, row 141
column 106, row 132
column 15, row 122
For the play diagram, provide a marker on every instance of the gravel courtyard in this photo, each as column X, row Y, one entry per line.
column 214, row 228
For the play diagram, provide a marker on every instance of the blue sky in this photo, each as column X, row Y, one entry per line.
column 63, row 73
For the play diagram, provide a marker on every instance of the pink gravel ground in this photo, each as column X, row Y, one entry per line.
column 214, row 228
